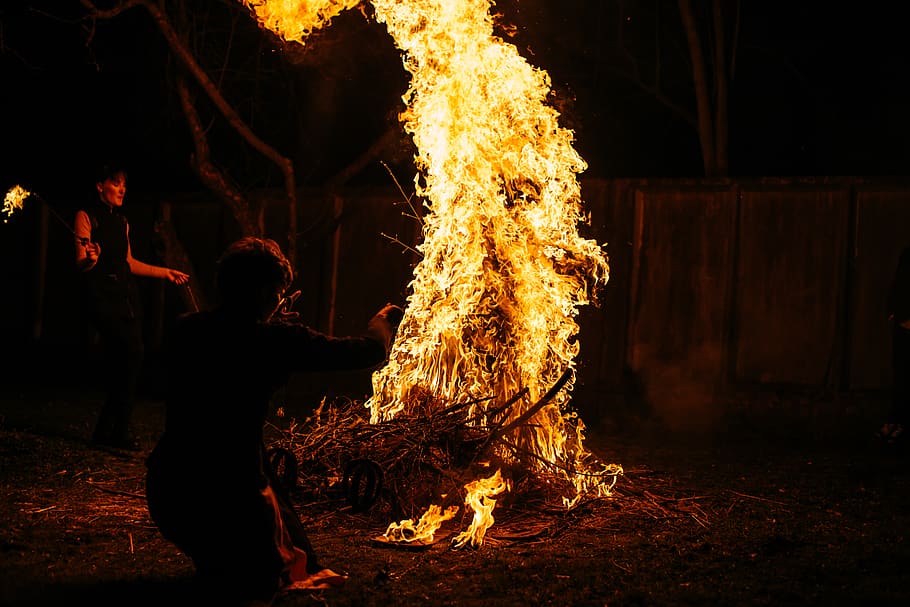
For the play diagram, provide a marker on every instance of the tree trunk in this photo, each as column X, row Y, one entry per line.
column 702, row 97
column 41, row 274
column 721, row 121
column 172, row 253
column 208, row 173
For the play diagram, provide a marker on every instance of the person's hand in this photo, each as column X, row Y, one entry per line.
column 391, row 313
column 284, row 311
column 176, row 276
column 92, row 250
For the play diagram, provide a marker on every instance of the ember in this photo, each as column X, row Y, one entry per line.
column 489, row 328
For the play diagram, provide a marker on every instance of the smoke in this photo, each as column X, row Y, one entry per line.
column 682, row 393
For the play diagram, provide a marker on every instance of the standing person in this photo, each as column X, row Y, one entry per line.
column 899, row 315
column 112, row 303
column 208, row 486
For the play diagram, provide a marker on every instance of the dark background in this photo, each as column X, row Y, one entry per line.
column 733, row 519
column 819, row 89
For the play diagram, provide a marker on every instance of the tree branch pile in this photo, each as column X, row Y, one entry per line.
column 403, row 465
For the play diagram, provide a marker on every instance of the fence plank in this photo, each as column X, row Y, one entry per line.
column 881, row 231
column 792, row 246
column 682, row 251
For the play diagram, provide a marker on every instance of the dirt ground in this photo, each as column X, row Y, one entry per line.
column 754, row 513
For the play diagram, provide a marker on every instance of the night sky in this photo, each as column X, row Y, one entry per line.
column 819, row 89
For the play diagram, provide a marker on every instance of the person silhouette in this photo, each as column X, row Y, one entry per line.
column 209, row 487
column 111, row 301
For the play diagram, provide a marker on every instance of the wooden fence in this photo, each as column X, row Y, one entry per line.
column 715, row 286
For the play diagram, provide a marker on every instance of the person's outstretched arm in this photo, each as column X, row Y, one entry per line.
column 140, row 268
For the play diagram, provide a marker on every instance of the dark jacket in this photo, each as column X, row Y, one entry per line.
column 207, row 485
column 109, row 289
column 222, row 377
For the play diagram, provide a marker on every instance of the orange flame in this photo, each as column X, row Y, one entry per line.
column 504, row 270
column 479, row 498
column 296, row 20
column 493, row 301
column 424, row 531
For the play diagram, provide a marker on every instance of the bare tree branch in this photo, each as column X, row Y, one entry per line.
column 389, row 137
column 189, row 63
column 208, row 173
column 633, row 75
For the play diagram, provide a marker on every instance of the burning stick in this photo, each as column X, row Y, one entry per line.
column 15, row 199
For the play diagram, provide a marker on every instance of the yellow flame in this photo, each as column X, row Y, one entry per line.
column 426, row 528
column 494, row 299
column 480, row 498
column 504, row 269
column 297, row 19
column 14, row 200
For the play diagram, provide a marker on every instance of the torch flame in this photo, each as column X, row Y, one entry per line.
column 504, row 270
column 14, row 200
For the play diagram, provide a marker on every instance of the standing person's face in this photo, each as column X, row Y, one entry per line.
column 112, row 190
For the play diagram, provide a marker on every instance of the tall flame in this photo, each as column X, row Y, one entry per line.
column 504, row 270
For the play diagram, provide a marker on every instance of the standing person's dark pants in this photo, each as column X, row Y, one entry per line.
column 114, row 312
column 900, row 353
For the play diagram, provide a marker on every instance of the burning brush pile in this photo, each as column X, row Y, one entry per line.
column 434, row 454
column 474, row 400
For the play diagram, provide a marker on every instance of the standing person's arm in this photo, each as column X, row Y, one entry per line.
column 140, row 268
column 87, row 252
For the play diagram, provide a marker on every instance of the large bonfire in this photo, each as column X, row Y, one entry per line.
column 489, row 329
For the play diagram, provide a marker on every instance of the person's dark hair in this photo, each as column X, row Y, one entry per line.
column 109, row 171
column 250, row 265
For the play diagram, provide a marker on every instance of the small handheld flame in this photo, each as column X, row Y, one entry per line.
column 14, row 201
column 425, row 530
column 479, row 498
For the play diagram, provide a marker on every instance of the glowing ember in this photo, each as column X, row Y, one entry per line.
column 14, row 200
column 479, row 498
column 504, row 270
column 424, row 531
